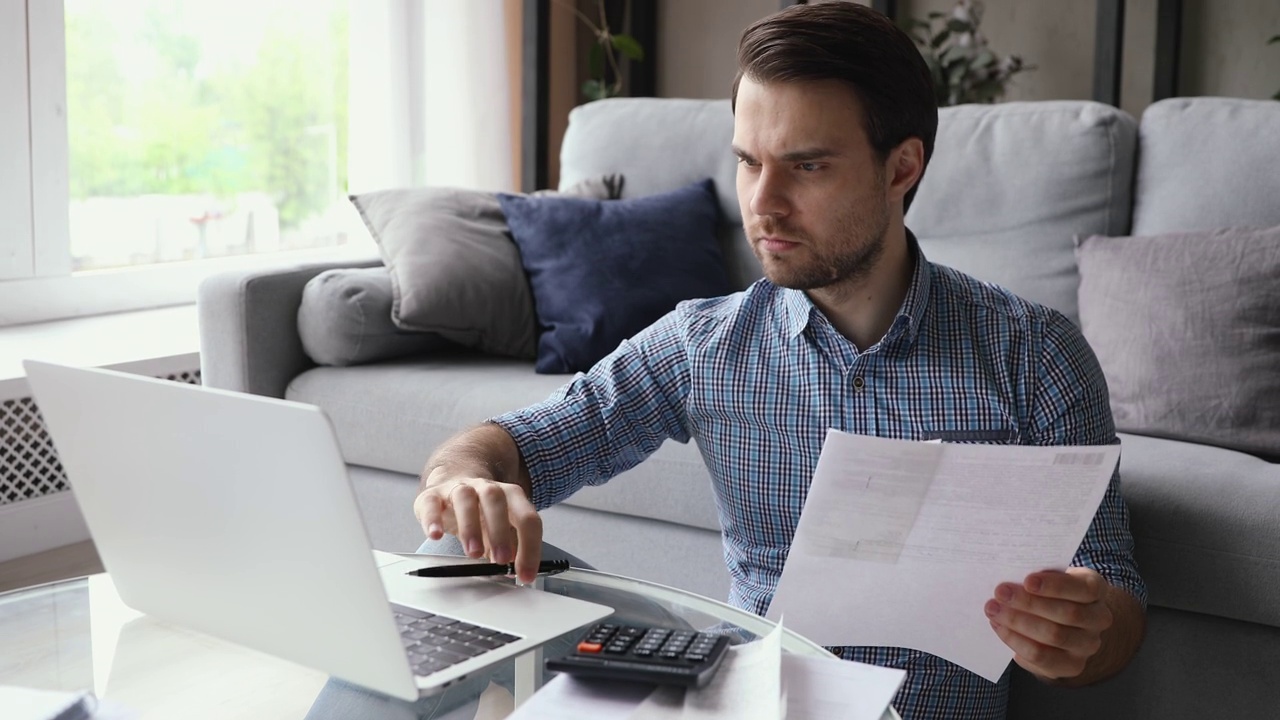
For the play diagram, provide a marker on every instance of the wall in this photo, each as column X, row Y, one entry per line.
column 1224, row 46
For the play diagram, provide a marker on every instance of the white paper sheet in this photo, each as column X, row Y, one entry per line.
column 833, row 689
column 568, row 698
column 755, row 682
column 901, row 543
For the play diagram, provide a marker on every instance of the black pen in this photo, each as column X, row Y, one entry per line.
column 546, row 567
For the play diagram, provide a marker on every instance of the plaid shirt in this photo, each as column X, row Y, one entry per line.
column 757, row 378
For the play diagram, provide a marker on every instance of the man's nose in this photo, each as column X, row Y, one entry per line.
column 769, row 196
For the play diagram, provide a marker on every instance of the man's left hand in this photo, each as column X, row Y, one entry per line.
column 1053, row 621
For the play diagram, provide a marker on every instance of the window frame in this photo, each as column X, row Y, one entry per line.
column 36, row 282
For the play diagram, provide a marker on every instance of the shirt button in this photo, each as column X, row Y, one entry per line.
column 858, row 384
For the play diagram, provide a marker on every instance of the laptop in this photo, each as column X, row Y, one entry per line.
column 233, row 515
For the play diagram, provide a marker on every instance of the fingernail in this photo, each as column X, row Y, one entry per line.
column 992, row 608
column 501, row 555
column 434, row 531
column 474, row 547
column 1034, row 584
column 1004, row 593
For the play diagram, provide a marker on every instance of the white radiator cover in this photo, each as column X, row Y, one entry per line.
column 37, row 508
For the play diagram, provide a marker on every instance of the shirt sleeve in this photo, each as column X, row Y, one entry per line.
column 609, row 419
column 1071, row 407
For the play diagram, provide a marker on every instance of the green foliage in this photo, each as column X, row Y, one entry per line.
column 149, row 114
column 603, row 55
column 964, row 69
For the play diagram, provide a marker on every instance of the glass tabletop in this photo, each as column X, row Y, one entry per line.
column 77, row 635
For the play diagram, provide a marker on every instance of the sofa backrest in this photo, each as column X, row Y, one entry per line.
column 1206, row 163
column 1008, row 188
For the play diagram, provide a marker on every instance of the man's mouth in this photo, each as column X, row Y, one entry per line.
column 775, row 244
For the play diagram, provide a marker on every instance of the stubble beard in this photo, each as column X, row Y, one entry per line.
column 842, row 261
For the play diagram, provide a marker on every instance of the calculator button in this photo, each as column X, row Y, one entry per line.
column 589, row 647
column 695, row 657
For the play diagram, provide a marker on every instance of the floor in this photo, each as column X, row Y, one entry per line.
column 57, row 564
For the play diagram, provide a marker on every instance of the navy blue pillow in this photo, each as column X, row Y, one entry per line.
column 603, row 270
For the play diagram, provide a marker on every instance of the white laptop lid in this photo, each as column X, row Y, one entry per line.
column 205, row 506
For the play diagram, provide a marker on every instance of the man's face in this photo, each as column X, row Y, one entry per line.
column 810, row 187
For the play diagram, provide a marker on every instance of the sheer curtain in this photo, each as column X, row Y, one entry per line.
column 432, row 94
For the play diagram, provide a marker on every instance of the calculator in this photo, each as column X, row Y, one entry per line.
column 658, row 655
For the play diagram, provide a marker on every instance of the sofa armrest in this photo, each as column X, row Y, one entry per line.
column 249, row 327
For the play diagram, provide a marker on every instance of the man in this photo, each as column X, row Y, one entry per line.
column 834, row 123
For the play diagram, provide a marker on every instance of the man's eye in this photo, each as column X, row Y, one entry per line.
column 809, row 167
column 748, row 162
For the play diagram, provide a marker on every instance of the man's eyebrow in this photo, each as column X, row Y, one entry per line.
column 809, row 154
column 806, row 155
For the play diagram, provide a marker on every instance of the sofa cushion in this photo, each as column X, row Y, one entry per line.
column 345, row 319
column 1205, row 163
column 1187, row 330
column 694, row 142
column 392, row 415
column 1011, row 185
column 1204, row 523
column 602, row 272
column 454, row 270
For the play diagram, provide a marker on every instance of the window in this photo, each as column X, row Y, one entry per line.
column 197, row 136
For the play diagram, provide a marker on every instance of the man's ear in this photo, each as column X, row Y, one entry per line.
column 904, row 168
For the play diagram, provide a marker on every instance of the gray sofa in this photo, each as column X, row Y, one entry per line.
column 1008, row 189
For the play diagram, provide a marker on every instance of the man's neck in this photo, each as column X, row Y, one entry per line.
column 864, row 311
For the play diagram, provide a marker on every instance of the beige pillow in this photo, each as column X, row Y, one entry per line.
column 1187, row 330
column 454, row 269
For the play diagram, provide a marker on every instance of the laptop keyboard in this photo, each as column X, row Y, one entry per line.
column 435, row 642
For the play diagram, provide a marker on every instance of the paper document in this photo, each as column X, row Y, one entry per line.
column 756, row 681
column 901, row 543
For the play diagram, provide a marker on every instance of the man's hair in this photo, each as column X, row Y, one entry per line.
column 859, row 46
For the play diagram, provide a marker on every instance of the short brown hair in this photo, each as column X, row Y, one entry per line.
column 859, row 46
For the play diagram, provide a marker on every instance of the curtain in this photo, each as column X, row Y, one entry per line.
column 432, row 94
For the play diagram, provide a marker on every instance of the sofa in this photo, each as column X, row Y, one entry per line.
column 1009, row 194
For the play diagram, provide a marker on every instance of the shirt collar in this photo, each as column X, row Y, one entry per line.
column 799, row 308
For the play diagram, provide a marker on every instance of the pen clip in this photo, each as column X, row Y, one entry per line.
column 553, row 567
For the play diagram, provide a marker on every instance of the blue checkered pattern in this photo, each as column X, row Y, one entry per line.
column 757, row 378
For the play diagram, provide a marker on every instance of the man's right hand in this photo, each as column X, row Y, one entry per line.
column 490, row 518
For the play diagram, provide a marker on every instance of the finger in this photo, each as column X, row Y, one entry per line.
column 1038, row 658
column 1074, row 640
column 466, row 512
column 499, row 537
column 1091, row 616
column 429, row 508
column 1080, row 585
column 528, row 528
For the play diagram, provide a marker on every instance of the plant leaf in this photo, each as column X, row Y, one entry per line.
column 594, row 90
column 941, row 37
column 629, row 46
column 1273, row 40
column 959, row 26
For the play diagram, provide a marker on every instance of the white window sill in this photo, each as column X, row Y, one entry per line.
column 158, row 341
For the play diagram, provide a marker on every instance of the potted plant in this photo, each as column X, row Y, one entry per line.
column 964, row 68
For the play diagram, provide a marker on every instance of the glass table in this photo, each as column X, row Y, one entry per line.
column 77, row 635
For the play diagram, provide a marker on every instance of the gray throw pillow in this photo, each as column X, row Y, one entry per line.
column 345, row 319
column 1187, row 330
column 454, row 269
